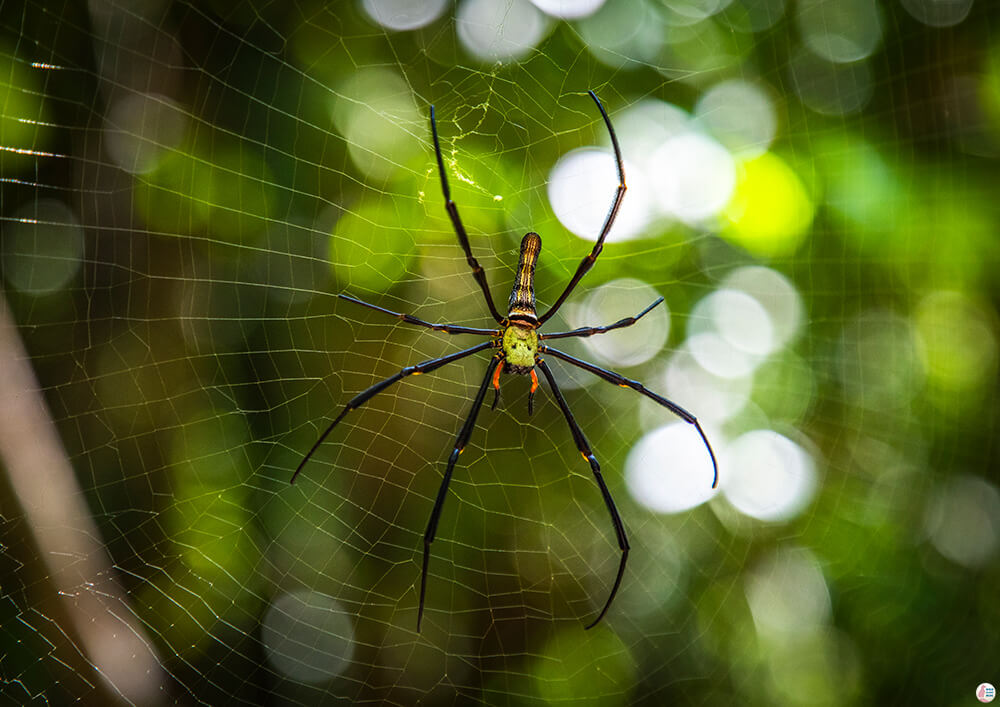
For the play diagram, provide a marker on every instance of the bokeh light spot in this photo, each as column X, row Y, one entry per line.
column 784, row 387
column 669, row 470
column 719, row 357
column 581, row 188
column 215, row 183
column 775, row 293
column 702, row 51
column 767, row 476
column 863, row 189
column 938, row 13
column 880, row 368
column 307, row 636
column 403, row 15
column 140, row 128
column 622, row 34
column 787, row 593
column 829, row 88
column 963, row 520
column 756, row 15
column 718, row 397
column 824, row 664
column 377, row 115
column 599, row 654
column 568, row 9
column 643, row 127
column 689, row 12
column 42, row 247
column 372, row 246
column 495, row 30
column 741, row 321
column 771, row 212
column 842, row 31
column 740, row 115
column 959, row 341
column 692, row 177
column 634, row 344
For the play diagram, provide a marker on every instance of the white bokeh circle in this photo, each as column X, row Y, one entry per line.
column 768, row 476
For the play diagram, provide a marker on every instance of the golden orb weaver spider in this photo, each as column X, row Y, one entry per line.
column 519, row 347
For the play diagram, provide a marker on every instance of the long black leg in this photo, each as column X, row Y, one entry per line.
column 460, row 442
column 456, row 221
column 366, row 395
column 410, row 319
column 590, row 331
column 581, row 444
column 624, row 382
column 588, row 262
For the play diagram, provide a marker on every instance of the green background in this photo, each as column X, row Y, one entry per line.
column 196, row 348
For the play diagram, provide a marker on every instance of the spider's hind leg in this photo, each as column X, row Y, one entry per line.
column 460, row 442
column 595, row 467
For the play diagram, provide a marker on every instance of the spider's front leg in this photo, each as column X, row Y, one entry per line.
column 531, row 393
column 456, row 221
column 496, row 384
column 588, row 261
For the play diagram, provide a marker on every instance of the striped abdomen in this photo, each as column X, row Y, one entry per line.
column 522, row 297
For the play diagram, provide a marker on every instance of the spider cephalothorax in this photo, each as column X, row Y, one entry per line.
column 519, row 347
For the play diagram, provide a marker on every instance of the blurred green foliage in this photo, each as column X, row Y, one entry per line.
column 198, row 351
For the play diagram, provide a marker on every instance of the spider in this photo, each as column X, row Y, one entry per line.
column 518, row 349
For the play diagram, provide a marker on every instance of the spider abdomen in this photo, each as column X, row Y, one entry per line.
column 522, row 297
column 520, row 346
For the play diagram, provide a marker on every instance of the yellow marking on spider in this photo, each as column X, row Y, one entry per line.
column 520, row 346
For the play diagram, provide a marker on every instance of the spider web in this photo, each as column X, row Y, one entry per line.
column 186, row 187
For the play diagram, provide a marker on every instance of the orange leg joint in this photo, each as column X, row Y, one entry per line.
column 496, row 387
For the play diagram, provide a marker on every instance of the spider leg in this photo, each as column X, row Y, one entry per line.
column 581, row 444
column 624, row 382
column 460, row 442
column 496, row 387
column 590, row 331
column 366, row 395
column 463, row 238
column 410, row 319
column 588, row 262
